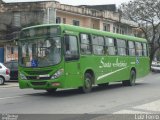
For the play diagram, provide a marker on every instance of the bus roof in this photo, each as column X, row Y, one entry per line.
column 91, row 31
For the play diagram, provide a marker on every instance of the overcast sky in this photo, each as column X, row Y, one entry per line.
column 79, row 2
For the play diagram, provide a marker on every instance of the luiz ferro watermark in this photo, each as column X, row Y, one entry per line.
column 9, row 117
column 147, row 116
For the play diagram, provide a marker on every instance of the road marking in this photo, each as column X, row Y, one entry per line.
column 130, row 112
column 7, row 85
column 10, row 97
column 148, row 108
column 153, row 106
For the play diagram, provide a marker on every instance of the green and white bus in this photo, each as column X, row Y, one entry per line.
column 55, row 56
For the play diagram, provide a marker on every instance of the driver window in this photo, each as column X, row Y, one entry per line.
column 71, row 48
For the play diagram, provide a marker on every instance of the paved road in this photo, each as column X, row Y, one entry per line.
column 114, row 99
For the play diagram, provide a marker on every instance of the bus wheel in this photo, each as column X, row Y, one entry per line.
column 51, row 90
column 132, row 79
column 1, row 80
column 87, row 87
column 103, row 85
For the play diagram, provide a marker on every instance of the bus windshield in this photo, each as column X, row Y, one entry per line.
column 40, row 52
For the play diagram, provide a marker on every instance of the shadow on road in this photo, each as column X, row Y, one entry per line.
column 95, row 90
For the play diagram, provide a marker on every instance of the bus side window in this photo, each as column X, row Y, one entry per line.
column 71, row 48
column 85, row 44
column 110, row 46
column 131, row 47
column 144, row 49
column 98, row 45
column 121, row 47
column 138, row 48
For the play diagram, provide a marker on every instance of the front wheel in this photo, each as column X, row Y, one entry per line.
column 87, row 87
column 132, row 79
column 1, row 80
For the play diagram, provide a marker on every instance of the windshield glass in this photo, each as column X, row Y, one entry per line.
column 40, row 52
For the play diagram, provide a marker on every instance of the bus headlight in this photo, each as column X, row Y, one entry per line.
column 57, row 74
column 22, row 76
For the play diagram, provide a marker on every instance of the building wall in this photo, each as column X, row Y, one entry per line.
column 14, row 16
column 85, row 21
column 11, row 52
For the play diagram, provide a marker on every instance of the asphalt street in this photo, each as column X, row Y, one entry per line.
column 114, row 99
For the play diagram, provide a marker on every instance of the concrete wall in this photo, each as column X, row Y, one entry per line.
column 14, row 16
column 85, row 21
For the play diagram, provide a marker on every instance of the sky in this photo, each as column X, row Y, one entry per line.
column 79, row 2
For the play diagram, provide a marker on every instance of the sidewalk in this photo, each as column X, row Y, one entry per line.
column 9, row 84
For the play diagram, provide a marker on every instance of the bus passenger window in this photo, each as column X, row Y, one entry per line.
column 85, row 44
column 98, row 45
column 131, row 48
column 110, row 45
column 144, row 49
column 138, row 49
column 121, row 47
column 71, row 48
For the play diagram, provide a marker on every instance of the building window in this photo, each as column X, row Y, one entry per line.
column 106, row 27
column 93, row 26
column 58, row 20
column 114, row 29
column 64, row 20
column 16, row 19
column 122, row 31
column 117, row 30
column 12, row 50
column 76, row 22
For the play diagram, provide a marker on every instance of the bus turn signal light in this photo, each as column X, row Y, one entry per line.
column 56, row 84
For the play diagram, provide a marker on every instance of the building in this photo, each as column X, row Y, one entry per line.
column 14, row 16
column 107, row 18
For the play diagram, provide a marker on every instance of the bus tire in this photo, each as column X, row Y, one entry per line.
column 87, row 86
column 132, row 79
column 2, row 80
column 53, row 90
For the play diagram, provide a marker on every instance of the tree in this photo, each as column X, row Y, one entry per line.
column 1, row 1
column 146, row 14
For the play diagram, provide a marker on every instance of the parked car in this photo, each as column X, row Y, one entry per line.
column 13, row 66
column 4, row 74
column 155, row 66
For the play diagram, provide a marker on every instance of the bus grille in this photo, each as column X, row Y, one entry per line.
column 32, row 77
column 37, row 78
column 38, row 83
column 43, row 72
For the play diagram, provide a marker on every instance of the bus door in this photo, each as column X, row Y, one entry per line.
column 72, row 64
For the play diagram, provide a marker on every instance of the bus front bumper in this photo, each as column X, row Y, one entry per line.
column 45, row 84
